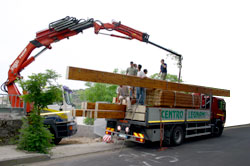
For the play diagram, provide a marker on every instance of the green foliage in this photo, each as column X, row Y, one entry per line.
column 170, row 77
column 99, row 92
column 89, row 121
column 13, row 140
column 116, row 70
column 76, row 98
column 34, row 137
column 41, row 91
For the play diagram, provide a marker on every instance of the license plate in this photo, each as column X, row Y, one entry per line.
column 122, row 136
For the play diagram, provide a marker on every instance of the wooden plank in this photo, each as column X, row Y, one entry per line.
column 81, row 74
column 171, row 99
column 107, row 106
column 100, row 114
column 105, row 110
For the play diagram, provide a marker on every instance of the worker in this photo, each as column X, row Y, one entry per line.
column 131, row 71
column 163, row 70
column 140, row 91
column 123, row 94
column 136, row 69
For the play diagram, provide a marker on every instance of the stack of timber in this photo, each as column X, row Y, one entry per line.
column 168, row 94
column 164, row 98
column 81, row 74
column 101, row 110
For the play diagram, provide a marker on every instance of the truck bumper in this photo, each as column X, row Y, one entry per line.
column 66, row 129
column 136, row 137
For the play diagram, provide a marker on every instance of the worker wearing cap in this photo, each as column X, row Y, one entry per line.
column 163, row 70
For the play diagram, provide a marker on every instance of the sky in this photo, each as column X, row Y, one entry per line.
column 212, row 36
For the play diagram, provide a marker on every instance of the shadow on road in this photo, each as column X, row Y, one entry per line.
column 156, row 145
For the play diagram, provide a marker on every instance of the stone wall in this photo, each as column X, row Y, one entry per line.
column 9, row 130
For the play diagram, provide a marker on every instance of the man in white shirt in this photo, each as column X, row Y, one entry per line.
column 140, row 92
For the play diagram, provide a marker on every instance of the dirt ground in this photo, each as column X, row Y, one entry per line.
column 79, row 140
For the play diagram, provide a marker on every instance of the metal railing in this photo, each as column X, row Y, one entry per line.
column 11, row 103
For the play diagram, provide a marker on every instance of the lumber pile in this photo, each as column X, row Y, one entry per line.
column 120, row 79
column 101, row 110
column 164, row 98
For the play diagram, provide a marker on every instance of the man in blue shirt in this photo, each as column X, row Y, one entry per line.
column 163, row 70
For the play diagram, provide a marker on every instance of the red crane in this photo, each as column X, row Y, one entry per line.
column 61, row 29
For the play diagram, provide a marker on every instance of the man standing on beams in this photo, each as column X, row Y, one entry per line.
column 163, row 70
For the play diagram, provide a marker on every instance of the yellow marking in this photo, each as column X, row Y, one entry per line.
column 220, row 114
column 110, row 129
column 141, row 135
column 51, row 113
column 166, row 121
column 62, row 115
column 135, row 134
column 198, row 120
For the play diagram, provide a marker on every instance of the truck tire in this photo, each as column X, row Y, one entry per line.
column 177, row 136
column 218, row 130
column 57, row 140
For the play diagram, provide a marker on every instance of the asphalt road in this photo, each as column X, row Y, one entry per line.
column 231, row 149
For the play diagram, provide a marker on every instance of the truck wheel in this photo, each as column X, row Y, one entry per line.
column 177, row 135
column 218, row 130
column 57, row 140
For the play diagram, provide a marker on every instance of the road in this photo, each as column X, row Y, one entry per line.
column 232, row 148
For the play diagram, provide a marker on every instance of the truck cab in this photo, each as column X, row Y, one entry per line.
column 59, row 117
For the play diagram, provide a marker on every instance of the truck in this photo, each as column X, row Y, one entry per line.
column 57, row 116
column 171, row 112
column 170, row 125
column 177, row 122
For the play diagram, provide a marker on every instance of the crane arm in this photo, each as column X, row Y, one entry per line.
column 134, row 34
column 59, row 30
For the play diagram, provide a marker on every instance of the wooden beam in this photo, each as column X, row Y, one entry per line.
column 105, row 110
column 100, row 114
column 81, row 74
column 107, row 106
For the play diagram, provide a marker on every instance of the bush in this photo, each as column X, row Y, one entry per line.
column 41, row 91
column 89, row 121
column 34, row 135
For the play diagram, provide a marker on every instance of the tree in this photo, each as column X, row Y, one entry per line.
column 41, row 91
column 170, row 77
column 99, row 92
column 116, row 70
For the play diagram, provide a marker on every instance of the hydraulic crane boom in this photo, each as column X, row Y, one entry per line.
column 59, row 30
